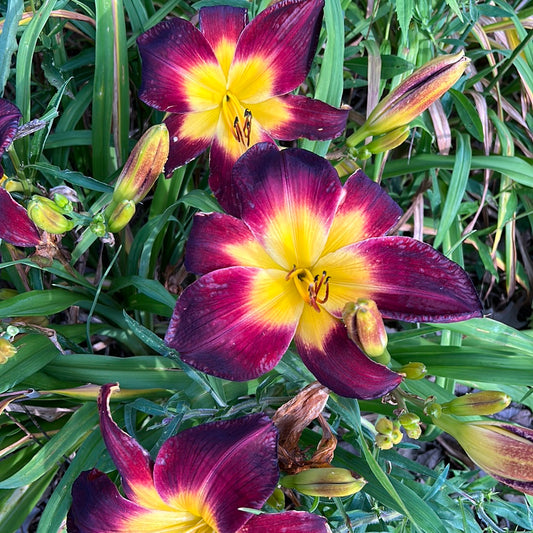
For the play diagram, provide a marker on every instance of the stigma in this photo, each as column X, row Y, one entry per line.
column 309, row 287
column 238, row 121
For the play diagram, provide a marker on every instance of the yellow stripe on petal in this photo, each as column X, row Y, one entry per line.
column 251, row 81
column 346, row 229
column 250, row 253
column 200, row 125
column 224, row 52
column 314, row 328
column 165, row 522
column 205, row 86
column 274, row 299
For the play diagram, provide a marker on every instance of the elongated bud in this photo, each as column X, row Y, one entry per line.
column 46, row 215
column 7, row 350
column 143, row 166
column 413, row 96
column 277, row 499
column 120, row 216
column 329, row 482
column 365, row 326
column 478, row 403
column 390, row 140
column 413, row 370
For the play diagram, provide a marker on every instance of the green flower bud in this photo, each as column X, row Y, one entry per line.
column 413, row 370
column 7, row 350
column 434, row 410
column 329, row 482
column 384, row 442
column 121, row 214
column 384, row 425
column 46, row 214
column 63, row 203
column 390, row 140
column 143, row 166
column 409, row 420
column 477, row 403
column 277, row 499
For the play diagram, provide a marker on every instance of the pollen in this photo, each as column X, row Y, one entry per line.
column 310, row 287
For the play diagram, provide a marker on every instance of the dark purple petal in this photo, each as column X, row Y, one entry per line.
column 218, row 241
column 9, row 120
column 222, row 25
column 284, row 36
column 367, row 211
column 174, row 54
column 236, row 322
column 288, row 522
column 182, row 148
column 309, row 118
column 523, row 486
column 15, row 225
column 222, row 466
column 337, row 362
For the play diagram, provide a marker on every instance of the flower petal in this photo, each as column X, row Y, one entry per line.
column 367, row 211
column 97, row 506
column 337, row 362
column 292, row 116
column 225, row 151
column 132, row 461
column 523, row 486
column 189, row 136
column 9, row 120
column 15, row 225
column 282, row 40
column 408, row 280
column 287, row 522
column 288, row 199
column 222, row 26
column 216, row 468
column 235, row 323
column 180, row 71
column 218, row 241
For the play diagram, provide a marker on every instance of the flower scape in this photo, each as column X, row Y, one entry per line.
column 233, row 300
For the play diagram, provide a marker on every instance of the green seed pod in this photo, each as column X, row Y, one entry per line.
column 413, row 370
column 384, row 425
column 329, row 482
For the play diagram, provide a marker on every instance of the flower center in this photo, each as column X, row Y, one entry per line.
column 239, row 120
column 309, row 286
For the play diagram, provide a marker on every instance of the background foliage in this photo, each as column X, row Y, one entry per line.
column 95, row 310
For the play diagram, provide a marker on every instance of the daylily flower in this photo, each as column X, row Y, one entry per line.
column 226, row 85
column 302, row 247
column 198, row 482
column 15, row 225
column 503, row 450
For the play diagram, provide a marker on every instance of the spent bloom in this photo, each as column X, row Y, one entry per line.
column 411, row 98
column 199, row 481
column 502, row 450
column 303, row 246
column 226, row 84
column 15, row 226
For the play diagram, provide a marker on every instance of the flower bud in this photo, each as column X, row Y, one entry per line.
column 390, row 140
column 412, row 96
column 434, row 410
column 384, row 425
column 384, row 442
column 329, row 482
column 277, row 499
column 143, row 166
column 477, row 403
column 413, row 370
column 6, row 350
column 46, row 215
column 63, row 203
column 121, row 214
column 365, row 326
column 409, row 420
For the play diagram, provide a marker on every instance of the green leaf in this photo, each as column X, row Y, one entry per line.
column 40, row 302
column 201, row 200
column 404, row 11
column 8, row 39
column 468, row 114
column 72, row 177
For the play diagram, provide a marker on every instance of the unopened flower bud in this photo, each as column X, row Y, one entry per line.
column 63, row 203
column 120, row 216
column 384, row 425
column 384, row 442
column 412, row 96
column 365, row 326
column 409, row 420
column 477, row 403
column 413, row 370
column 7, row 350
column 143, row 166
column 47, row 215
column 434, row 410
column 329, row 482
column 277, row 499
column 390, row 140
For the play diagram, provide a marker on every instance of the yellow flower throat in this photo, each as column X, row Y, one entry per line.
column 309, row 286
column 239, row 122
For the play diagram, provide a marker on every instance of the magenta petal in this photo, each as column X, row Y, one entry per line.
column 285, row 36
column 15, row 225
column 182, row 149
column 170, row 51
column 221, row 163
column 411, row 281
column 226, row 465
column 217, row 328
column 523, row 486
column 288, row 522
column 311, row 119
column 9, row 120
column 342, row 367
column 132, row 461
column 222, row 24
column 97, row 505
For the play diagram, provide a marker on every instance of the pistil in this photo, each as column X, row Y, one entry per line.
column 308, row 287
column 239, row 122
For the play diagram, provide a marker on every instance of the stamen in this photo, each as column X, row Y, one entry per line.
column 309, row 292
column 240, row 122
